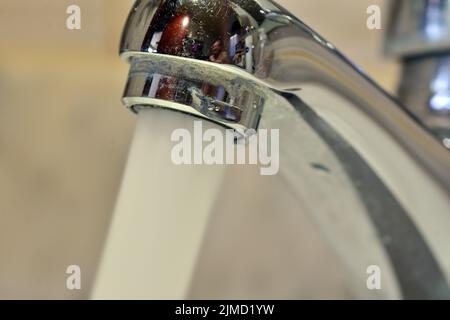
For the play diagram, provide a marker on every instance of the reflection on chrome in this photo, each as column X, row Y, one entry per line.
column 440, row 101
column 447, row 143
column 419, row 34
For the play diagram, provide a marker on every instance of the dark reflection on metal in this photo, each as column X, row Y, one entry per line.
column 402, row 240
column 222, row 34
column 211, row 31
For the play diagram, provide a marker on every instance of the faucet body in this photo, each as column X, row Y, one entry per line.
column 249, row 64
column 418, row 34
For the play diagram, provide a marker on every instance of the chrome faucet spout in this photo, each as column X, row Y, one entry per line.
column 249, row 64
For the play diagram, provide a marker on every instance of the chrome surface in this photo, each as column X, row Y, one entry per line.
column 425, row 89
column 418, row 27
column 419, row 34
column 249, row 63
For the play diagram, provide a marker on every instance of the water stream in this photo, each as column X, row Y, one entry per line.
column 160, row 218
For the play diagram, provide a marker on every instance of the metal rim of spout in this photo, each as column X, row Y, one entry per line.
column 178, row 84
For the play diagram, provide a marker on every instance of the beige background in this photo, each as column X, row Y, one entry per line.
column 64, row 135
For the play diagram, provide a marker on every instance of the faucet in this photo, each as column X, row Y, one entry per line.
column 371, row 176
column 419, row 35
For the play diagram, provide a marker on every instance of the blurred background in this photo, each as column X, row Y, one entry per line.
column 64, row 134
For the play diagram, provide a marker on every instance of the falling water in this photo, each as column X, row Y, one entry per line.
column 160, row 218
